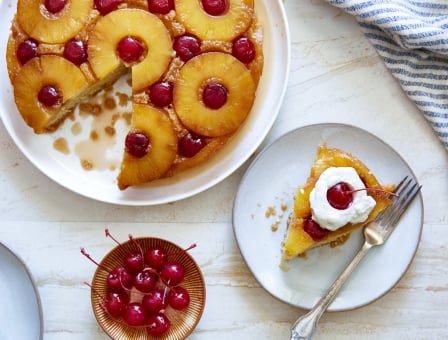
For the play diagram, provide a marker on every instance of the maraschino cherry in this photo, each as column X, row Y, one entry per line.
column 190, row 144
column 214, row 95
column 161, row 93
column 55, row 6
column 243, row 49
column 134, row 315
column 160, row 6
column 155, row 301
column 158, row 324
column 172, row 273
column 26, row 50
column 75, row 51
column 178, row 298
column 114, row 302
column 215, row 7
column 106, row 6
column 49, row 96
column 340, row 196
column 313, row 229
column 146, row 280
column 156, row 257
column 130, row 50
column 137, row 144
column 187, row 46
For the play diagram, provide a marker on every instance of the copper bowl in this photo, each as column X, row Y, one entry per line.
column 182, row 322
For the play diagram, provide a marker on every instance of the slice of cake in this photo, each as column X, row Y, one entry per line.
column 340, row 195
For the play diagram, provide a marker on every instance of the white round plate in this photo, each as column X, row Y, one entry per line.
column 101, row 185
column 20, row 309
column 269, row 185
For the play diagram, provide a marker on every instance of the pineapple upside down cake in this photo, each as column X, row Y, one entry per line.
column 340, row 195
column 195, row 67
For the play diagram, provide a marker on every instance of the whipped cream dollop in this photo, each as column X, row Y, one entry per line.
column 331, row 218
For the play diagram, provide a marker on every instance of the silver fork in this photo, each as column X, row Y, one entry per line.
column 375, row 234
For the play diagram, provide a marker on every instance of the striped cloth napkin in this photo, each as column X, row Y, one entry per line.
column 412, row 39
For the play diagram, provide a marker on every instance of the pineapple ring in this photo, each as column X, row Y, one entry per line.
column 118, row 24
column 226, row 27
column 53, row 28
column 195, row 75
column 162, row 151
column 38, row 72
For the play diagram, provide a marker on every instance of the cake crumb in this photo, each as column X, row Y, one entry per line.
column 94, row 135
column 270, row 212
column 110, row 130
column 90, row 108
column 123, row 98
column 87, row 165
column 127, row 117
column 339, row 241
column 109, row 103
column 275, row 226
column 284, row 267
column 303, row 256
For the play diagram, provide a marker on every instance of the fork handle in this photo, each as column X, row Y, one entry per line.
column 305, row 326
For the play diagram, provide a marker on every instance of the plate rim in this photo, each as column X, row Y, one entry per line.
column 323, row 126
column 33, row 284
column 135, row 196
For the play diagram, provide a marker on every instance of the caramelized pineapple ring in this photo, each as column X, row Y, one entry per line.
column 50, row 28
column 115, row 26
column 225, row 27
column 40, row 72
column 188, row 89
column 162, row 149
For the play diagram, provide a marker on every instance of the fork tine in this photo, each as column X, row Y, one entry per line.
column 398, row 188
column 406, row 195
column 407, row 199
column 401, row 183
column 406, row 181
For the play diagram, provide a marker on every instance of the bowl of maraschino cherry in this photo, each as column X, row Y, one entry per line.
column 147, row 288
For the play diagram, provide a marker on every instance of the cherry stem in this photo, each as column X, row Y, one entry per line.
column 186, row 249
column 137, row 244
column 83, row 251
column 95, row 291
column 131, row 291
column 374, row 189
column 165, row 293
column 191, row 247
column 108, row 234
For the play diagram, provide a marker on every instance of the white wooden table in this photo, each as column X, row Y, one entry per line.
column 336, row 76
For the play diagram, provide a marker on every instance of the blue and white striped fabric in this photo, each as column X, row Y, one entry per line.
column 412, row 39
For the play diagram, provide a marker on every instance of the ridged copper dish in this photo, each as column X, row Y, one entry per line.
column 182, row 322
